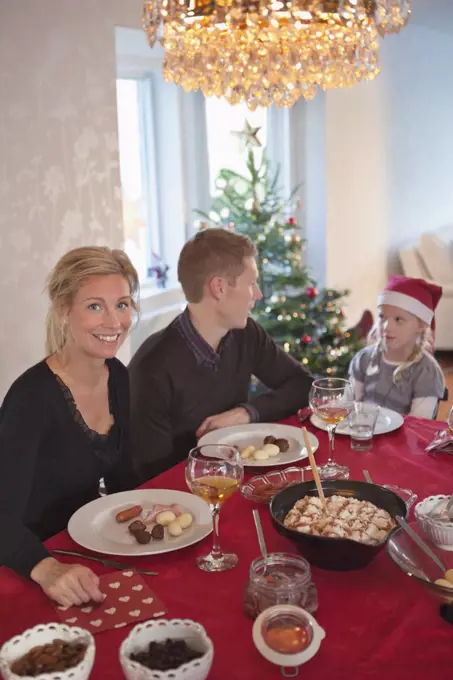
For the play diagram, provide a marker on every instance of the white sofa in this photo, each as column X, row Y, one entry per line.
column 432, row 259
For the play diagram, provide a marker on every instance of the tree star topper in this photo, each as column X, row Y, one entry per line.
column 248, row 135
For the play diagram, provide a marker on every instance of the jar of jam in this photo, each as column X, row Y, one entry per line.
column 281, row 578
column 287, row 636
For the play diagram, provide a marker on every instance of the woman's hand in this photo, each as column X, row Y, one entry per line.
column 67, row 584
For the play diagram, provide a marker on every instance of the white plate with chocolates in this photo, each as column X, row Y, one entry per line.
column 141, row 522
column 263, row 444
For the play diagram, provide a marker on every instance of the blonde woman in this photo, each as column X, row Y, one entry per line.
column 398, row 370
column 64, row 423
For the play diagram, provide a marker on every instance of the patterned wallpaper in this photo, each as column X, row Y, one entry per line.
column 59, row 174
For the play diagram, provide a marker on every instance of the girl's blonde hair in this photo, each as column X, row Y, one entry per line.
column 71, row 273
column 424, row 346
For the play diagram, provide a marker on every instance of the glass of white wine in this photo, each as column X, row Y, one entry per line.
column 332, row 400
column 215, row 472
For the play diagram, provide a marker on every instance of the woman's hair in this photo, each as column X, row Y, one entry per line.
column 71, row 273
column 424, row 345
column 212, row 252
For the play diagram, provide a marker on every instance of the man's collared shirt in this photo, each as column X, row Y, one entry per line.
column 202, row 350
column 204, row 354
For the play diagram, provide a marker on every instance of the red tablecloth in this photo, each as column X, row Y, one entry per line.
column 379, row 623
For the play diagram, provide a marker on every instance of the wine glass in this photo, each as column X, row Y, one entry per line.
column 215, row 472
column 450, row 420
column 332, row 400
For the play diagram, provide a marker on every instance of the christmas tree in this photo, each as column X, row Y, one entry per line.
column 307, row 322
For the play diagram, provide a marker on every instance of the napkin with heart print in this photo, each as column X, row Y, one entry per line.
column 128, row 600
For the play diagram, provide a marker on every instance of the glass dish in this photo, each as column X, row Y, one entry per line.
column 439, row 531
column 413, row 562
column 281, row 578
column 262, row 489
column 288, row 637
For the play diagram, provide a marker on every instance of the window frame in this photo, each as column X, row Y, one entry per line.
column 173, row 213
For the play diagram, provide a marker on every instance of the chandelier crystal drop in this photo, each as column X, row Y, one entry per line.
column 268, row 52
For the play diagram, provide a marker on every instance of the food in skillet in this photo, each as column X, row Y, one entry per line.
column 346, row 517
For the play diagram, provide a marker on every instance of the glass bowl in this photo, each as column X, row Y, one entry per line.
column 439, row 531
column 262, row 489
column 413, row 562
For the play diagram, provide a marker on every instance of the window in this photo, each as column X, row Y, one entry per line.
column 172, row 145
column 225, row 150
column 141, row 234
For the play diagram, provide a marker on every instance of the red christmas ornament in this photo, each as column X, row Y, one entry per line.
column 312, row 292
column 305, row 340
column 291, row 221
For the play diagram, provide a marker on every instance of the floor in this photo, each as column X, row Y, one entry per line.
column 445, row 359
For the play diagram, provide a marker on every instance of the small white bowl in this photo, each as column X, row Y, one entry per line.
column 43, row 634
column 438, row 531
column 158, row 631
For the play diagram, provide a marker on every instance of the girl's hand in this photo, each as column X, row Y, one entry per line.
column 67, row 584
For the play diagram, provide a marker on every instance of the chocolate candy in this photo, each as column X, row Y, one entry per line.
column 165, row 656
column 157, row 532
column 136, row 526
column 142, row 537
column 283, row 444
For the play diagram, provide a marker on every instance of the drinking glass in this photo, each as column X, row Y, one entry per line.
column 214, row 472
column 450, row 420
column 362, row 422
column 332, row 400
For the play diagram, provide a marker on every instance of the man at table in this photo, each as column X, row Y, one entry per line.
column 194, row 376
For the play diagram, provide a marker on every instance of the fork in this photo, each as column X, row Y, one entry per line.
column 106, row 562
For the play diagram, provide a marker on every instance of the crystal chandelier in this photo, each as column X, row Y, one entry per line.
column 268, row 52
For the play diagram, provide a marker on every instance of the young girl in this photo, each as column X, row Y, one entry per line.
column 398, row 370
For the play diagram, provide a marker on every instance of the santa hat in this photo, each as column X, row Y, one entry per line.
column 416, row 296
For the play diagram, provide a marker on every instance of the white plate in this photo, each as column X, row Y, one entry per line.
column 254, row 434
column 387, row 421
column 94, row 525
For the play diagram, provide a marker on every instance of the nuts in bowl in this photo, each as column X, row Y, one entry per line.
column 159, row 650
column 55, row 650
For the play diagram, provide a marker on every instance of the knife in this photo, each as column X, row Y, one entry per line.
column 106, row 562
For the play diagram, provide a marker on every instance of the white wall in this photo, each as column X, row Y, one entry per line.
column 59, row 179
column 420, row 134
column 315, row 187
column 389, row 171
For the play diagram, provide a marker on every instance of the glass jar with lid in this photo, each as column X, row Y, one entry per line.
column 287, row 636
column 281, row 578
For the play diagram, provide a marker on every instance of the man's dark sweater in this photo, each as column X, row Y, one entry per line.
column 177, row 380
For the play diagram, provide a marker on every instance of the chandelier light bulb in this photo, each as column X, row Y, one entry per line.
column 266, row 52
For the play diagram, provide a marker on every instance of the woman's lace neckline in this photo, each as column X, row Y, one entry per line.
column 93, row 434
